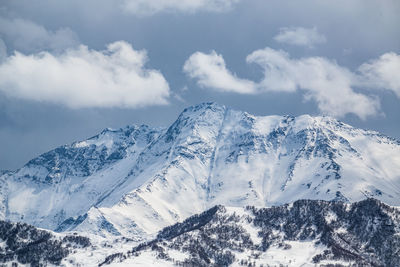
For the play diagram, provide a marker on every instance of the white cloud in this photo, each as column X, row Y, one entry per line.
column 79, row 77
column 300, row 36
column 322, row 80
column 383, row 73
column 331, row 86
column 149, row 7
column 210, row 71
column 28, row 36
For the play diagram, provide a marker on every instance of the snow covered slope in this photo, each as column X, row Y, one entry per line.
column 71, row 179
column 303, row 233
column 137, row 180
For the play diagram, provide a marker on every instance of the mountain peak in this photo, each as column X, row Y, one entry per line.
column 210, row 155
column 214, row 106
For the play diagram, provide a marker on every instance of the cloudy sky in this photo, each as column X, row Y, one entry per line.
column 70, row 68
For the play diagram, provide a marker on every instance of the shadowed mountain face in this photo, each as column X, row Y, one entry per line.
column 307, row 232
column 136, row 180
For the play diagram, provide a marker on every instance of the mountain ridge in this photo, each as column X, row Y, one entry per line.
column 210, row 155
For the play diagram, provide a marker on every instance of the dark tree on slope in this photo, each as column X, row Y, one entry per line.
column 371, row 236
column 29, row 245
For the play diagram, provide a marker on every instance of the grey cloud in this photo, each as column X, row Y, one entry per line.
column 28, row 36
column 150, row 7
column 3, row 50
column 300, row 36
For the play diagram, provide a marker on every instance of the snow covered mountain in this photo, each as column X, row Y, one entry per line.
column 71, row 179
column 136, row 180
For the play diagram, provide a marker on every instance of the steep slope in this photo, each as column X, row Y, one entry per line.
column 212, row 155
column 69, row 180
column 304, row 233
column 143, row 179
